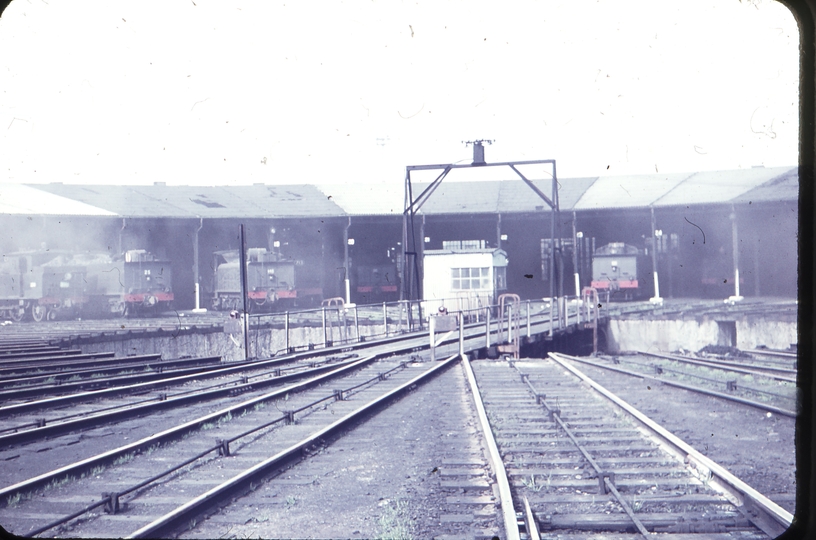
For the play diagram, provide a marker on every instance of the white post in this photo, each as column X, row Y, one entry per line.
column 432, row 328
column 655, row 235
column 325, row 337
column 735, row 247
column 461, row 335
column 487, row 327
column 286, row 330
column 528, row 318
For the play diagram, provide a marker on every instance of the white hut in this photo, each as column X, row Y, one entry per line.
column 460, row 277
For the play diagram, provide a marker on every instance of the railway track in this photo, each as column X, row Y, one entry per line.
column 300, row 421
column 584, row 465
column 765, row 390
column 471, row 449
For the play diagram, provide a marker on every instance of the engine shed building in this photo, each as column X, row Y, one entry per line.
column 706, row 221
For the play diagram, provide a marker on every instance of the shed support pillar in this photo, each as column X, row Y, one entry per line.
column 735, row 248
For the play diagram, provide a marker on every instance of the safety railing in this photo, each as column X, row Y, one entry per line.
column 336, row 323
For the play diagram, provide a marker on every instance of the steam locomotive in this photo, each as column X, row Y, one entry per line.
column 273, row 282
column 50, row 284
column 137, row 284
column 616, row 269
column 376, row 283
column 40, row 284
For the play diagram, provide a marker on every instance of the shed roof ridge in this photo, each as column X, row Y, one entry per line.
column 579, row 199
column 163, row 201
column 678, row 184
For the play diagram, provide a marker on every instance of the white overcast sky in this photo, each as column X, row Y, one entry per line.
column 206, row 92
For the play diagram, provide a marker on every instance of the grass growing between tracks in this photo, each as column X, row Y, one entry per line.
column 395, row 522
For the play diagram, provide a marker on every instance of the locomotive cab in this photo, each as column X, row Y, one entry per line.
column 615, row 268
column 270, row 279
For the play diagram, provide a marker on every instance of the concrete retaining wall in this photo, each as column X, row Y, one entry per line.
column 693, row 335
column 262, row 343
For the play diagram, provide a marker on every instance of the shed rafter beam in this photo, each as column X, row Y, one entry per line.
column 470, row 166
column 417, row 204
column 533, row 187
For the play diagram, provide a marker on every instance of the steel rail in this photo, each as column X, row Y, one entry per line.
column 102, row 360
column 530, row 522
column 725, row 366
column 603, row 475
column 151, row 361
column 294, row 452
column 137, row 387
column 201, row 372
column 67, row 357
column 5, row 351
column 494, row 457
column 662, row 369
column 194, row 375
column 414, row 341
column 697, row 389
column 277, row 373
column 174, row 432
column 158, row 403
column 61, row 400
column 35, row 356
column 222, row 448
column 772, row 519
column 773, row 352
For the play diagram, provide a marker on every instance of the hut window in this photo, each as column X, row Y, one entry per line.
column 465, row 279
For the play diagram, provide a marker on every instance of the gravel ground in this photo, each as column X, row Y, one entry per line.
column 414, row 470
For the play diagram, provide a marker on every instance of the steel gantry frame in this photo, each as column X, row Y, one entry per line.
column 412, row 272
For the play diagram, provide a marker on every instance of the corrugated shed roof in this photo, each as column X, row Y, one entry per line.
column 22, row 199
column 367, row 199
column 712, row 187
column 451, row 197
column 462, row 197
column 784, row 187
column 258, row 201
column 627, row 191
column 516, row 196
column 505, row 196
